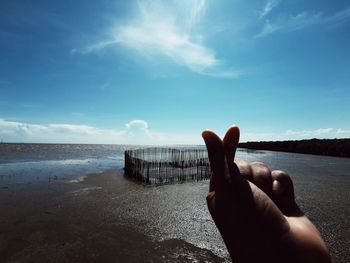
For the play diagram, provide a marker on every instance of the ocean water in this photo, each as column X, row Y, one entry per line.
column 36, row 163
column 322, row 186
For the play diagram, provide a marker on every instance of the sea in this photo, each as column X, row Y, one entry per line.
column 322, row 186
column 37, row 163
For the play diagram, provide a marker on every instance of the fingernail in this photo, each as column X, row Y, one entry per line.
column 277, row 187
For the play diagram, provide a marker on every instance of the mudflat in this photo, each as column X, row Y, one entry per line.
column 90, row 221
column 104, row 217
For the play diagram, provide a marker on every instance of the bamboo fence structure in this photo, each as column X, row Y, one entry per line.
column 161, row 165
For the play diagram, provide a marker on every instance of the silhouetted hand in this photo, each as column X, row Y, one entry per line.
column 254, row 209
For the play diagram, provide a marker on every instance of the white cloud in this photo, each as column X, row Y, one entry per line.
column 270, row 4
column 342, row 131
column 26, row 132
column 141, row 124
column 135, row 132
column 268, row 29
column 154, row 38
column 166, row 30
column 303, row 20
column 138, row 132
column 322, row 133
column 339, row 16
column 94, row 47
column 312, row 133
column 223, row 74
column 197, row 10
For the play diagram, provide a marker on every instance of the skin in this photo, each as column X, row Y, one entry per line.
column 255, row 210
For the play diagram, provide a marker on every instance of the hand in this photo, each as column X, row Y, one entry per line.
column 254, row 209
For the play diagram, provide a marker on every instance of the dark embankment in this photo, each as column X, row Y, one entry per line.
column 331, row 147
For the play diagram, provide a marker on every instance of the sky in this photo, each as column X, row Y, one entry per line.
column 160, row 72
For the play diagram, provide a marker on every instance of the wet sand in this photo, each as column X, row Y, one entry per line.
column 88, row 221
column 107, row 218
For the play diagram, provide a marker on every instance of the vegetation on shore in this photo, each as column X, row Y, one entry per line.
column 331, row 147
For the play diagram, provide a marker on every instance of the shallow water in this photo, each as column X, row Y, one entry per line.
column 37, row 163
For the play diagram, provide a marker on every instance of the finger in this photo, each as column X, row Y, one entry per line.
column 282, row 185
column 211, row 202
column 244, row 169
column 283, row 193
column 216, row 156
column 230, row 142
column 261, row 176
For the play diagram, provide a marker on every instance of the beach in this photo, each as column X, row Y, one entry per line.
column 83, row 223
column 100, row 216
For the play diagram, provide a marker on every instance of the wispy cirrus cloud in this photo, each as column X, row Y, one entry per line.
column 303, row 20
column 167, row 30
column 267, row 29
column 269, row 5
column 94, row 47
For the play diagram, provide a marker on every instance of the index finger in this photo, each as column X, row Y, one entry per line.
column 230, row 143
column 216, row 156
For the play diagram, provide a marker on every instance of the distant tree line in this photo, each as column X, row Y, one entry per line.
column 331, row 147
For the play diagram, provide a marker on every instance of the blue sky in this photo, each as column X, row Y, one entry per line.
column 159, row 72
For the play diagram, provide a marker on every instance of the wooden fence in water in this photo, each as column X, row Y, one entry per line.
column 166, row 165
